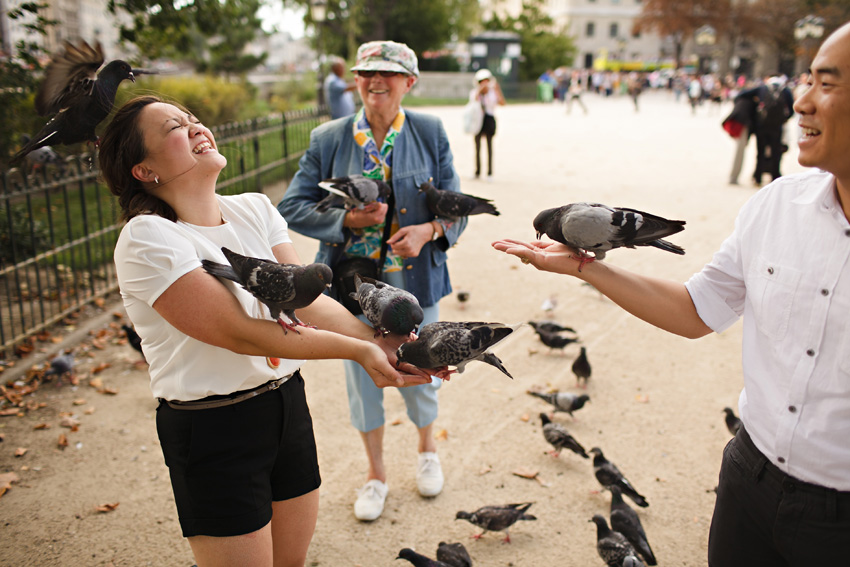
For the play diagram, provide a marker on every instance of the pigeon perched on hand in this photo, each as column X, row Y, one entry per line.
column 453, row 205
column 61, row 366
column 78, row 99
column 591, row 227
column 550, row 327
column 449, row 343
column 453, row 554
column 352, row 192
column 419, row 560
column 562, row 401
column 581, row 368
column 612, row 546
column 558, row 436
column 497, row 518
column 281, row 287
column 733, row 423
column 609, row 475
column 626, row 521
column 388, row 308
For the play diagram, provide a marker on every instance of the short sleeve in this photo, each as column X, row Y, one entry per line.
column 278, row 228
column 151, row 254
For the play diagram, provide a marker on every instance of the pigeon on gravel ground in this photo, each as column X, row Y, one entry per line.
column 497, row 518
column 609, row 475
column 558, row 436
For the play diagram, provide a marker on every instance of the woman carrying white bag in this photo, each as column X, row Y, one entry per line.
column 479, row 116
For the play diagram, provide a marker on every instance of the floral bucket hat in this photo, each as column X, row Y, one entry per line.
column 386, row 56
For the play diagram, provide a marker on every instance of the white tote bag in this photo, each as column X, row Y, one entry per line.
column 473, row 117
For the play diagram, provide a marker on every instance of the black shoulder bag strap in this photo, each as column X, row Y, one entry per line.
column 388, row 226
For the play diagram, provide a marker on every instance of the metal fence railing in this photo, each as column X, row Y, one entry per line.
column 59, row 225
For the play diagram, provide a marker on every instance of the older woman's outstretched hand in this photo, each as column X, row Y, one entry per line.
column 547, row 256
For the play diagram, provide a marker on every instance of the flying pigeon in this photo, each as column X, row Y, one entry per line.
column 733, row 423
column 388, row 308
column 626, row 521
column 452, row 205
column 591, row 227
column 450, row 343
column 352, row 192
column 497, row 518
column 609, row 475
column 581, row 368
column 550, row 327
column 61, row 366
column 612, row 546
column 562, row 401
column 554, row 340
column 558, row 436
column 419, row 560
column 78, row 99
column 281, row 287
column 453, row 554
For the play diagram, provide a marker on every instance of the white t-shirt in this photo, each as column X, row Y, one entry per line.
column 152, row 253
column 786, row 268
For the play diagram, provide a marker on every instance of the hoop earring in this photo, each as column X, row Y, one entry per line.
column 156, row 179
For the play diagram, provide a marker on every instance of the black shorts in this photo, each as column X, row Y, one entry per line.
column 229, row 464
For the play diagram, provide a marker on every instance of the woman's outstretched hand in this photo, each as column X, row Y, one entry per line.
column 547, row 256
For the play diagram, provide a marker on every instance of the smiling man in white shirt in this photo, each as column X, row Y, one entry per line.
column 783, row 497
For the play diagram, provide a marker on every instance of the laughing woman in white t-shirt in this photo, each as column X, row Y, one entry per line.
column 233, row 422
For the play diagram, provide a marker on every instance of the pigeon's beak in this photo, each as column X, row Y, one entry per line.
column 132, row 77
column 539, row 234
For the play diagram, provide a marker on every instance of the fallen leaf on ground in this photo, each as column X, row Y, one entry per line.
column 79, row 402
column 70, row 423
column 525, row 472
column 524, row 417
column 10, row 411
column 88, row 411
column 96, row 383
column 41, row 426
column 62, row 442
column 441, row 435
column 642, row 398
column 109, row 390
column 6, row 481
column 100, row 368
column 21, row 451
column 109, row 507
column 485, row 469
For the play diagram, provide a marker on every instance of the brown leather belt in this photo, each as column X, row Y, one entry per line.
column 228, row 400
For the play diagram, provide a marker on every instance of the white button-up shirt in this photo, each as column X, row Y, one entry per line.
column 785, row 268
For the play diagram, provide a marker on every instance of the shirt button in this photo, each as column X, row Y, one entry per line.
column 770, row 270
column 403, row 210
column 810, row 352
column 780, row 459
column 792, row 409
column 408, row 267
column 824, row 292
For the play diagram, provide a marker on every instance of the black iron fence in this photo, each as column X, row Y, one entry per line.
column 59, row 223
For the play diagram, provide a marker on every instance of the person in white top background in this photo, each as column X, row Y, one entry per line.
column 233, row 421
column 487, row 92
column 783, row 497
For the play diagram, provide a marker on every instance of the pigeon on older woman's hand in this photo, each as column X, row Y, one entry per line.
column 626, row 521
column 419, row 560
column 78, row 98
column 562, row 401
column 497, row 518
column 352, row 192
column 281, row 287
column 453, row 554
column 449, row 343
column 612, row 546
column 453, row 205
column 388, row 308
column 592, row 227
column 558, row 436
column 609, row 475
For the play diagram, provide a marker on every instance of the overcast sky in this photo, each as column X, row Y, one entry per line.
column 284, row 19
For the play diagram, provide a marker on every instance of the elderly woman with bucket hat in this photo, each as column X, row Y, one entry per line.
column 489, row 95
column 406, row 242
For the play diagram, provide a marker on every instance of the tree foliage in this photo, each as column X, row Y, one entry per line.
column 543, row 47
column 209, row 34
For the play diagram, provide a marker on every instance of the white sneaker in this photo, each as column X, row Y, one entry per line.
column 370, row 500
column 429, row 475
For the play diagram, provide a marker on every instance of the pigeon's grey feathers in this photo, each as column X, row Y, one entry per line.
column 632, row 561
column 497, row 518
column 281, row 287
column 626, row 521
column 60, row 366
column 453, row 205
column 453, row 554
column 733, row 422
column 609, row 475
column 597, row 228
column 612, row 546
column 352, row 192
column 389, row 309
column 581, row 368
column 78, row 99
column 451, row 343
column 562, row 401
column 558, row 436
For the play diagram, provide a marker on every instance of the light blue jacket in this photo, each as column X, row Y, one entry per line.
column 420, row 152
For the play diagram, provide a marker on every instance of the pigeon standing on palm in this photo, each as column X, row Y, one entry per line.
column 77, row 95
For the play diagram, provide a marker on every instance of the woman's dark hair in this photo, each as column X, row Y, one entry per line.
column 122, row 146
